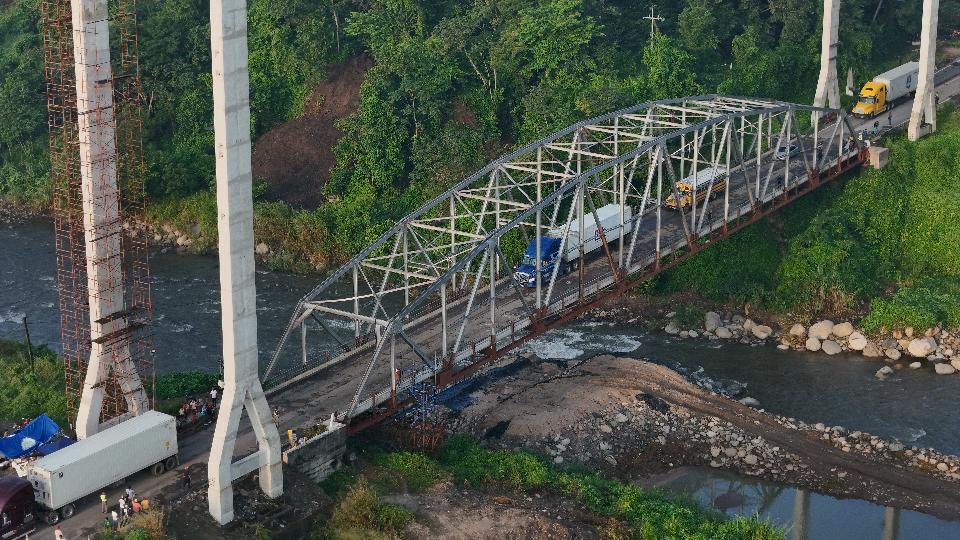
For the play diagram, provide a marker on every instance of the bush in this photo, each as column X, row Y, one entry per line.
column 185, row 383
column 921, row 305
column 419, row 471
column 361, row 510
column 27, row 390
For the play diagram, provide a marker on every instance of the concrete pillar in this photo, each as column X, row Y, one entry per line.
column 828, row 87
column 923, row 118
column 101, row 217
column 242, row 390
column 891, row 523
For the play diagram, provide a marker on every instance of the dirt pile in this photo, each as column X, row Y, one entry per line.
column 295, row 158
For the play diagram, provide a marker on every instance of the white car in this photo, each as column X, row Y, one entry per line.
column 784, row 151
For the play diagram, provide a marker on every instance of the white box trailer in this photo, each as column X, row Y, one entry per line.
column 900, row 81
column 85, row 467
column 609, row 217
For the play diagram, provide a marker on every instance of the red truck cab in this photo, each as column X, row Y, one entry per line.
column 17, row 508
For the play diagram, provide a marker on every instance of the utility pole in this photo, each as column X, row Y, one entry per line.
column 654, row 19
column 923, row 118
column 828, row 87
column 26, row 330
column 238, row 299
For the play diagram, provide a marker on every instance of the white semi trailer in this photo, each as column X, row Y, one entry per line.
column 609, row 217
column 64, row 477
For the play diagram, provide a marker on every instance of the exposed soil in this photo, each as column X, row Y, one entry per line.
column 447, row 512
column 296, row 157
column 646, row 418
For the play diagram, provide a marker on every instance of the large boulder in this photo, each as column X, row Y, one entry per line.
column 842, row 330
column 955, row 363
column 922, row 347
column 857, row 341
column 883, row 372
column 892, row 354
column 711, row 321
column 761, row 331
column 671, row 328
column 798, row 330
column 813, row 344
column 831, row 347
column 748, row 324
column 821, row 330
column 724, row 333
column 944, row 369
column 872, row 351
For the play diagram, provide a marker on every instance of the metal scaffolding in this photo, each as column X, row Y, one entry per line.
column 98, row 204
column 434, row 297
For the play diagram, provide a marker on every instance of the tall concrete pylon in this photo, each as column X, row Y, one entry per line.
column 828, row 87
column 101, row 222
column 923, row 118
column 242, row 388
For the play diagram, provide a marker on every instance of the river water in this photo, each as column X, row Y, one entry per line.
column 916, row 407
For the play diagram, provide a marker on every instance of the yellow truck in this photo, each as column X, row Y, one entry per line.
column 695, row 187
column 887, row 89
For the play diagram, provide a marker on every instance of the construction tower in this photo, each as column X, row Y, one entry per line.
column 97, row 168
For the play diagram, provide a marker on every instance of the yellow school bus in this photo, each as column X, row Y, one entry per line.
column 696, row 187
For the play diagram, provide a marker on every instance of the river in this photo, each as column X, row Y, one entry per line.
column 914, row 406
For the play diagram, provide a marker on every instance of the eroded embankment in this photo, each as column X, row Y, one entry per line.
column 634, row 418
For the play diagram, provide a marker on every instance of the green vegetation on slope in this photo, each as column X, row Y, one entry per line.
column 28, row 389
column 838, row 249
column 643, row 514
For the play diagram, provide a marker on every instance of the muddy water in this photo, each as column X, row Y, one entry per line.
column 805, row 515
column 186, row 301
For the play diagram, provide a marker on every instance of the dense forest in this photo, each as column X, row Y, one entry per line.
column 452, row 84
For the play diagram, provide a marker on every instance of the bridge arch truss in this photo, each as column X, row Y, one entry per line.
column 434, row 297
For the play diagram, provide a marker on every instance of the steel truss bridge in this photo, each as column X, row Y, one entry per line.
column 434, row 298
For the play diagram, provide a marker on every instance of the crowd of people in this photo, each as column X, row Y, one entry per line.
column 127, row 505
column 197, row 410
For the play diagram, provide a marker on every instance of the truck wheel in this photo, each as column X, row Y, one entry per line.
column 68, row 511
column 157, row 469
column 52, row 517
column 171, row 463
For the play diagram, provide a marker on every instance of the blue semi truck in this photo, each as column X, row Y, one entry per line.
column 550, row 244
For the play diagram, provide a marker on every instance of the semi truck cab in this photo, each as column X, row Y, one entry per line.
column 18, row 508
column 873, row 100
column 526, row 272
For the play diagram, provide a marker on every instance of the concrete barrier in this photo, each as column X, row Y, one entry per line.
column 321, row 455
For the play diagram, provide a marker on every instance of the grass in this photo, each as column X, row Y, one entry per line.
column 634, row 512
column 28, row 389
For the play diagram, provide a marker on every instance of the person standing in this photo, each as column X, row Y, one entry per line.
column 213, row 394
column 103, row 502
column 115, row 519
column 57, row 533
column 131, row 494
column 186, row 477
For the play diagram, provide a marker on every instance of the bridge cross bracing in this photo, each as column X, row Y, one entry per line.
column 434, row 297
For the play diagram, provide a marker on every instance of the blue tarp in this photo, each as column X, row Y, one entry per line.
column 48, row 448
column 25, row 441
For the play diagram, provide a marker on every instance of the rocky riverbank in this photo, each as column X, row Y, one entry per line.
column 634, row 418
column 937, row 348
